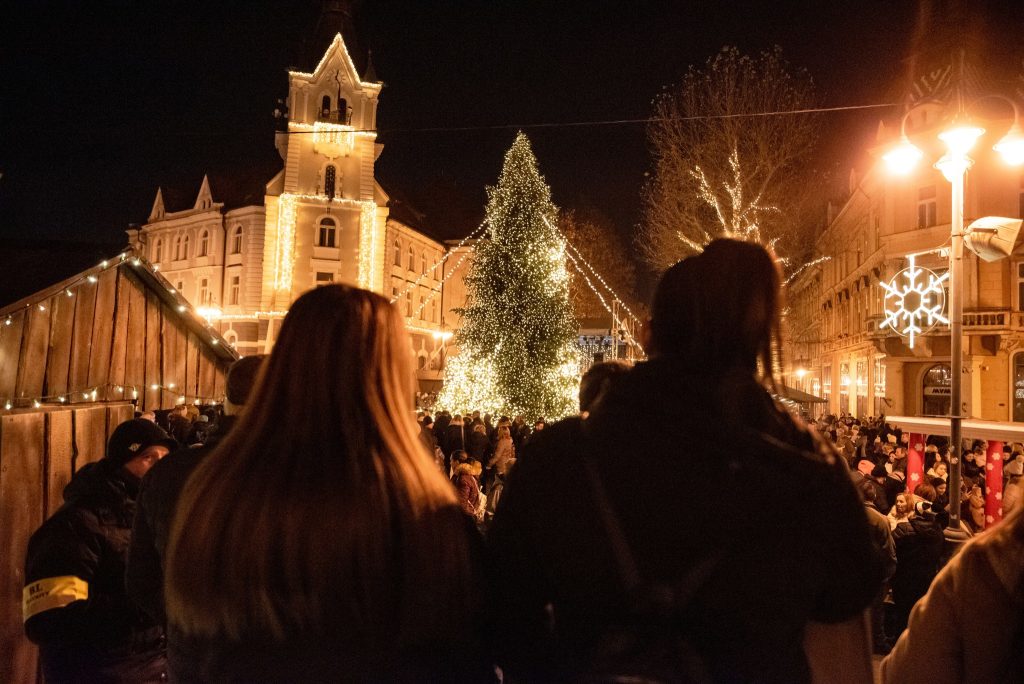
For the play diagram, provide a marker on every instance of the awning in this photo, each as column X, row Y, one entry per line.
column 969, row 428
column 799, row 396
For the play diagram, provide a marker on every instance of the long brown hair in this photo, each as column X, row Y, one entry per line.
column 720, row 309
column 321, row 509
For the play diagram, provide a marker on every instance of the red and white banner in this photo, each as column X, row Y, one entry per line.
column 915, row 461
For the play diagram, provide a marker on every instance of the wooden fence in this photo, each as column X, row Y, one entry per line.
column 39, row 450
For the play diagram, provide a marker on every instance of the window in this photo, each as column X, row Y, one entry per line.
column 398, row 253
column 236, row 240
column 204, row 291
column 926, row 207
column 844, row 388
column 329, row 177
column 325, row 107
column 324, row 279
column 879, row 385
column 936, row 390
column 423, row 305
column 862, row 388
column 1020, row 286
column 423, row 263
column 179, row 286
column 1018, row 387
column 433, row 310
column 326, row 235
column 158, row 251
column 408, row 303
column 343, row 114
column 204, row 243
column 412, row 258
column 826, row 382
column 177, row 248
column 236, row 286
column 184, row 247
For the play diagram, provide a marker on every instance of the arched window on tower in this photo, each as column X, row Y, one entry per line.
column 412, row 259
column 177, row 248
column 204, row 243
column 184, row 247
column 236, row 240
column 398, row 253
column 325, row 107
column 344, row 116
column 326, row 234
column 329, row 177
column 158, row 251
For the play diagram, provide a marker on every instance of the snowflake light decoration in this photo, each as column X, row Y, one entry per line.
column 914, row 299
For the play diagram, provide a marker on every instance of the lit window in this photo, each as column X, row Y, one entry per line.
column 236, row 286
column 204, row 291
column 158, row 252
column 926, row 207
column 324, row 279
column 329, row 177
column 398, row 253
column 236, row 240
column 326, row 235
column 204, row 243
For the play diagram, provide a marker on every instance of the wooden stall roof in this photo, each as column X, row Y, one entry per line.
column 116, row 331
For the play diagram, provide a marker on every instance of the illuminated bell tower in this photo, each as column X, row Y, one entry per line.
column 325, row 214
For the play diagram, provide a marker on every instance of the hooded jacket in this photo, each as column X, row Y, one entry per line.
column 74, row 604
column 774, row 510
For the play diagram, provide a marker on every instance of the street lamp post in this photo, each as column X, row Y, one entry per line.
column 959, row 140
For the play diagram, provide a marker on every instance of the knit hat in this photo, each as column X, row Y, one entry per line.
column 132, row 437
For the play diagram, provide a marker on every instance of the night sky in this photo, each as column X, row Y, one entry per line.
column 104, row 101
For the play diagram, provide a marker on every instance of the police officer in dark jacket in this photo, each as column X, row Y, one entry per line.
column 74, row 604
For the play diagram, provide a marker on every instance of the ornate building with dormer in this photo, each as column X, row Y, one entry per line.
column 323, row 218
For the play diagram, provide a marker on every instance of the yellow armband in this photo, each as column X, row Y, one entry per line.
column 52, row 592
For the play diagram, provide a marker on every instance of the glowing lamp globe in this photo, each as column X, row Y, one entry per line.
column 960, row 139
column 902, row 159
column 1011, row 147
column 953, row 165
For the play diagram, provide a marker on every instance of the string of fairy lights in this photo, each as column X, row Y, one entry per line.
column 107, row 391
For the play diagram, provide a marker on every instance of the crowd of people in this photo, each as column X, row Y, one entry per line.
column 683, row 527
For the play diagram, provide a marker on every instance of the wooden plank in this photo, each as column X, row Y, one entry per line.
column 58, row 362
column 192, row 366
column 135, row 358
column 10, row 354
column 119, row 346
column 207, row 375
column 34, row 345
column 117, row 414
column 90, row 432
column 102, row 332
column 60, row 456
column 179, row 374
column 81, row 341
column 149, row 400
column 21, row 513
column 169, row 358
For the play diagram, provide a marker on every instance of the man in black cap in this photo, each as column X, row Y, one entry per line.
column 74, row 603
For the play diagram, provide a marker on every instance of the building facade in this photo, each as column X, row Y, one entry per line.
column 837, row 346
column 322, row 218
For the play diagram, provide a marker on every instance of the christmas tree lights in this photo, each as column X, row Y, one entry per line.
column 518, row 351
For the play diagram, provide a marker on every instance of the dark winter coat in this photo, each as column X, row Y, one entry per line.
column 776, row 510
column 919, row 543
column 76, row 606
column 161, row 489
column 478, row 446
column 454, row 438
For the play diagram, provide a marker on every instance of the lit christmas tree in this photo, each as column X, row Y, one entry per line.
column 518, row 350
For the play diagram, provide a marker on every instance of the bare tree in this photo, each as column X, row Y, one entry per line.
column 592, row 240
column 729, row 160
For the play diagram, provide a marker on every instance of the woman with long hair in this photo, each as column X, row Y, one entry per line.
column 318, row 541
